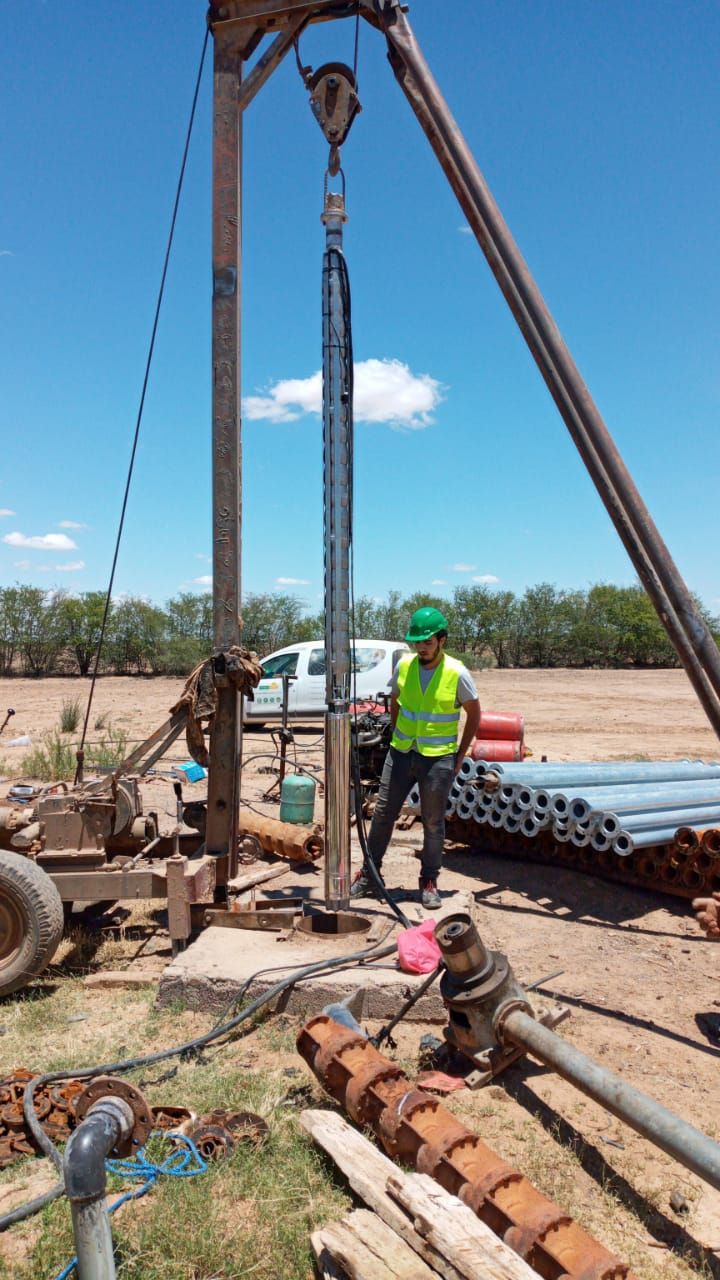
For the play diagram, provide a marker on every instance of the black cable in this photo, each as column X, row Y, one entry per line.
column 385, row 1032
column 335, row 260
column 142, row 401
column 377, row 951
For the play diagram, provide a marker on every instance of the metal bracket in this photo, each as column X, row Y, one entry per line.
column 490, row 1062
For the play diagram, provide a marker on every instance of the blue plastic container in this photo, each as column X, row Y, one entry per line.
column 297, row 799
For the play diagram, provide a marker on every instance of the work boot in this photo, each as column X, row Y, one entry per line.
column 364, row 886
column 429, row 895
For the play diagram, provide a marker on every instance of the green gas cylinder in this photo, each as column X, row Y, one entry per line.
column 297, row 799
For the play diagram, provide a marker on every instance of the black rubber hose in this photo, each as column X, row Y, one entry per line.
column 32, row 1121
column 26, row 1210
column 367, row 860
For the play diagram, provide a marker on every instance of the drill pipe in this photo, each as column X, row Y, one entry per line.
column 681, row 1140
column 415, row 1128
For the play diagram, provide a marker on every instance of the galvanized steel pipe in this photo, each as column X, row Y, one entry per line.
column 679, row 1139
column 633, row 796
column 602, row 772
column 108, row 1121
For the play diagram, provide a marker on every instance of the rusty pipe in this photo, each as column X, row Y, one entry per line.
column 710, row 842
column 299, row 844
column 662, row 580
column 672, row 1134
column 415, row 1128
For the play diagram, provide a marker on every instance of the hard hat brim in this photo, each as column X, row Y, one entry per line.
column 418, row 636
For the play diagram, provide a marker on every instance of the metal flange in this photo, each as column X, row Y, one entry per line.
column 113, row 1087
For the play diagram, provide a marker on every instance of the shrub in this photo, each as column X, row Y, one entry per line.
column 70, row 715
column 52, row 762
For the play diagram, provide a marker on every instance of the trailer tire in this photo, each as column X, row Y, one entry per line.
column 31, row 921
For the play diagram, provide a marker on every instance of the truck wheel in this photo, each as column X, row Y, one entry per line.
column 31, row 921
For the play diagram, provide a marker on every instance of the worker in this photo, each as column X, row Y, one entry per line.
column 707, row 912
column 427, row 689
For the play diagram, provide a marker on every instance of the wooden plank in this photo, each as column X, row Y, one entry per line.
column 367, row 1171
column 367, row 1249
column 452, row 1228
column 442, row 1230
column 240, row 883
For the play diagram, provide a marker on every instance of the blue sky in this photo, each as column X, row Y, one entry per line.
column 597, row 128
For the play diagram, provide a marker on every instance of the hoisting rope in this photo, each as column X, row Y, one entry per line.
column 151, row 348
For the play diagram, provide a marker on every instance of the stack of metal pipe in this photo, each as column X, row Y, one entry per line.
column 616, row 806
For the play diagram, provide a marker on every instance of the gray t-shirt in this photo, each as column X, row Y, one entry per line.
column 466, row 690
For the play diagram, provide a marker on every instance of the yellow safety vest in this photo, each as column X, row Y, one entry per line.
column 429, row 720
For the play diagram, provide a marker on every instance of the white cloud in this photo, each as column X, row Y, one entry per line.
column 23, row 564
column 71, row 567
column 292, row 582
column 71, row 524
column 199, row 556
column 6, row 253
column 385, row 391
column 204, row 581
column 466, row 231
column 438, row 582
column 462, row 568
column 41, row 542
column 5, row 511
column 488, row 578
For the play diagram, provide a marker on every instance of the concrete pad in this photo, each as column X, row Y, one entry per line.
column 215, row 968
column 121, row 978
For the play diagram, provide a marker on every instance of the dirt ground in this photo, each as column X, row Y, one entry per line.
column 641, row 981
column 569, row 715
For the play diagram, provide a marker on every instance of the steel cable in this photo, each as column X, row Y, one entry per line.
column 141, row 406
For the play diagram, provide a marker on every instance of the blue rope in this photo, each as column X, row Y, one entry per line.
column 182, row 1162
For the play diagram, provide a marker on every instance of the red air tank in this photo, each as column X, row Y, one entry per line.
column 507, row 726
column 496, row 749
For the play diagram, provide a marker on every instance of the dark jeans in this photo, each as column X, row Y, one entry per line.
column 434, row 776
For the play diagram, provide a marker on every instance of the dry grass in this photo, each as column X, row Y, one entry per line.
column 251, row 1214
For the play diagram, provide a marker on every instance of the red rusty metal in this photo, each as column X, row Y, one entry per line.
column 508, row 726
column 496, row 749
column 660, row 868
column 298, row 844
column 415, row 1128
column 710, row 842
column 686, row 838
column 53, row 1106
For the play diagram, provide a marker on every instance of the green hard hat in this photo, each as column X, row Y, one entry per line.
column 425, row 623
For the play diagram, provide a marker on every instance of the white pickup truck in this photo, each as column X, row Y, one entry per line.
column 373, row 663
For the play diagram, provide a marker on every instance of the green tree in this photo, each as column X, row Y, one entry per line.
column 80, row 621
column 188, row 636
column 39, row 632
column 135, row 636
column 542, row 626
column 271, row 621
column 9, row 627
column 500, row 634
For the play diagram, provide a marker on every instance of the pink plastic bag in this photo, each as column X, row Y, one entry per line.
column 417, row 949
